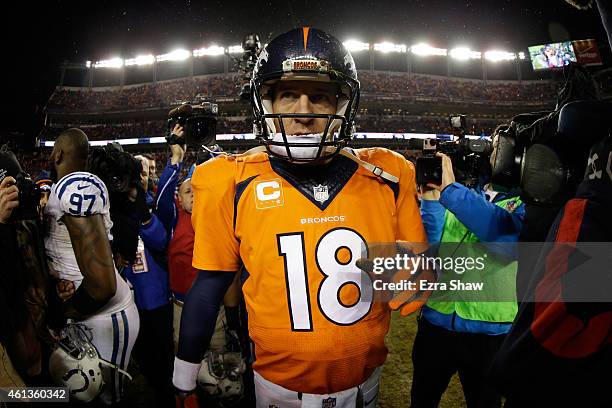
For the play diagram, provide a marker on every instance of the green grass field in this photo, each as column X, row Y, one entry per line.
column 397, row 371
column 396, row 376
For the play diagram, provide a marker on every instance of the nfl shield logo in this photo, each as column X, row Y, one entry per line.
column 328, row 403
column 321, row 193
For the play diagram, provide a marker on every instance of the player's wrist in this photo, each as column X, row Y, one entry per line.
column 185, row 375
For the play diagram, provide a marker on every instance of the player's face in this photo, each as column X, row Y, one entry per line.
column 185, row 196
column 304, row 97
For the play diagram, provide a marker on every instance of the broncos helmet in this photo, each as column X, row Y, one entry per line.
column 306, row 54
column 75, row 364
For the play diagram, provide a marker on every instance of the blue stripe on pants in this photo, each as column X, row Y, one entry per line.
column 126, row 337
column 114, row 356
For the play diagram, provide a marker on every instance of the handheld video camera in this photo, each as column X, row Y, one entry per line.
column 118, row 169
column 545, row 154
column 29, row 198
column 29, row 192
column 199, row 122
column 468, row 156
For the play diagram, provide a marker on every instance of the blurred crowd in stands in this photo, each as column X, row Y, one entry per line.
column 167, row 93
column 151, row 95
column 381, row 123
column 455, row 89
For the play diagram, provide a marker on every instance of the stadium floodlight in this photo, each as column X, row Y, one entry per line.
column 140, row 60
column 212, row 50
column 176, row 55
column 496, row 56
column 425, row 50
column 355, row 45
column 109, row 63
column 386, row 47
column 235, row 49
column 464, row 53
column 521, row 55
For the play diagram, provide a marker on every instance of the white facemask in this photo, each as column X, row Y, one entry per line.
column 308, row 152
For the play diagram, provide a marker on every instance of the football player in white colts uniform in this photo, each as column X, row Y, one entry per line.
column 78, row 247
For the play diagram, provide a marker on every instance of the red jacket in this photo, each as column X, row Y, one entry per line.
column 180, row 254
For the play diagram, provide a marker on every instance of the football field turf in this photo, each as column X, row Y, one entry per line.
column 397, row 371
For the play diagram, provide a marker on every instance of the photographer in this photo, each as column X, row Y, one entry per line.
column 180, row 255
column 148, row 275
column 19, row 344
column 463, row 336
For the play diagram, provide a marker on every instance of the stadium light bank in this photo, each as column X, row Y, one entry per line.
column 420, row 49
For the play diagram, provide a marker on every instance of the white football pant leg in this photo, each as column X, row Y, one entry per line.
column 114, row 336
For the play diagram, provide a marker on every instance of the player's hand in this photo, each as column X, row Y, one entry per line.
column 9, row 198
column 407, row 301
column 410, row 301
column 65, row 289
column 448, row 176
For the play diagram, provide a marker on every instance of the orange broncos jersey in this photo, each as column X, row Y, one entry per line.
column 297, row 231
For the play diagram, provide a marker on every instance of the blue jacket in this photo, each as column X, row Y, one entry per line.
column 489, row 222
column 165, row 204
column 152, row 288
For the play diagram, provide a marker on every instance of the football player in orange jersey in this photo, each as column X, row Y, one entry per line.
column 293, row 216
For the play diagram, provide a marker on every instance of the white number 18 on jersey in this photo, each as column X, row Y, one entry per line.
column 337, row 275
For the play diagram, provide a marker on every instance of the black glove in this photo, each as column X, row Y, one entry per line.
column 141, row 208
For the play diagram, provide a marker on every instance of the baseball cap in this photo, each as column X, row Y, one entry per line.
column 43, row 180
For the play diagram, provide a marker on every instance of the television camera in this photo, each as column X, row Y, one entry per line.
column 470, row 157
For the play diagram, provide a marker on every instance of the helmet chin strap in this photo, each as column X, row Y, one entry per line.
column 116, row 367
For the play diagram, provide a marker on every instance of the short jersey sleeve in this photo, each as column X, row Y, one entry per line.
column 81, row 195
column 215, row 246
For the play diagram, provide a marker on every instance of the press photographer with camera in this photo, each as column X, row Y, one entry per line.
column 176, row 214
column 22, row 282
column 463, row 336
column 145, row 239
